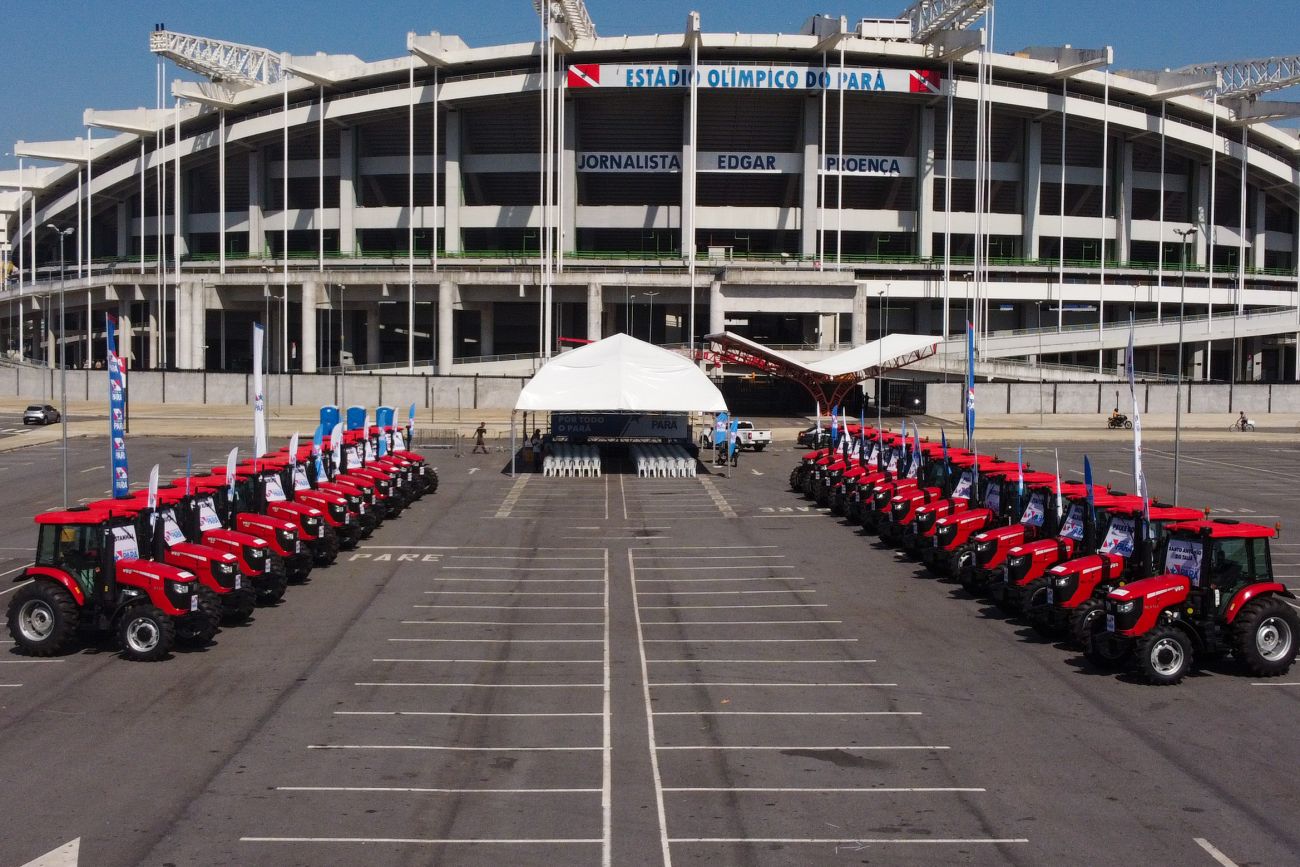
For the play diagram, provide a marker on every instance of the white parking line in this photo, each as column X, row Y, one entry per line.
column 709, row 568
column 1274, row 683
column 787, row 713
column 501, row 640
column 93, row 469
column 769, row 684
column 607, row 728
column 863, row 790
column 446, row 566
column 518, row 607
column 511, row 557
column 499, row 623
column 749, row 640
column 641, row 555
column 767, row 661
column 16, row 586
column 854, row 842
column 456, row 713
column 849, row 749
column 716, row 580
column 718, row 592
column 429, row 841
column 27, row 661
column 1213, row 852
column 502, row 661
column 491, row 685
column 451, row 749
column 730, row 607
column 511, row 593
column 711, row 548
column 523, row 580
column 10, row 685
column 732, row 622
column 665, row 848
column 425, row 791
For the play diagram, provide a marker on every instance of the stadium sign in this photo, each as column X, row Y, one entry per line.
column 647, row 76
column 746, row 162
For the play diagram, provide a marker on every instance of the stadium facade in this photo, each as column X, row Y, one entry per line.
column 418, row 211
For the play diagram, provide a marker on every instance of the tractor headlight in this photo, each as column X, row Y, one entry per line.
column 180, row 587
column 1125, row 607
column 1063, row 581
column 985, row 546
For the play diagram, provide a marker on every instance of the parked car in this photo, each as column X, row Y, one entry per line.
column 750, row 437
column 40, row 414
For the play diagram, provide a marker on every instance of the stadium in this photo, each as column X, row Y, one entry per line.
column 455, row 208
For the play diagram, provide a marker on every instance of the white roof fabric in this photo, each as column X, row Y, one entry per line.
column 894, row 350
column 620, row 374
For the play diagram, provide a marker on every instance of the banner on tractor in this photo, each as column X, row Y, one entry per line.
column 117, row 416
column 259, row 396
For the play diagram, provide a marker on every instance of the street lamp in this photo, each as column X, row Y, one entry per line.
column 650, row 326
column 343, row 372
column 1178, row 389
column 63, row 367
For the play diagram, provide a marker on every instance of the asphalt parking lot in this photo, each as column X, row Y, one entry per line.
column 631, row 671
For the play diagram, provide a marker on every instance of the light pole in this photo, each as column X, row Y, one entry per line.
column 880, row 356
column 1178, row 389
column 343, row 371
column 63, row 367
column 650, row 326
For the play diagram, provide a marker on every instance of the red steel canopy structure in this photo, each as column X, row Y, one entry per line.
column 831, row 379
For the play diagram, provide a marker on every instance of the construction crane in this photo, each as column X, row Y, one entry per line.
column 1249, row 78
column 572, row 14
column 930, row 17
column 218, row 60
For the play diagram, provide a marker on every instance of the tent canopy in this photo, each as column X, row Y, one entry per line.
column 620, row 374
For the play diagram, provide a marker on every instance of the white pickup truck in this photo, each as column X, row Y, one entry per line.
column 750, row 437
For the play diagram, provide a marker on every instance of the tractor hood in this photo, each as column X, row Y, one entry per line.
column 1165, row 589
column 1088, row 563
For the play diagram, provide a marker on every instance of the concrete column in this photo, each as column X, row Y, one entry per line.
column 347, row 190
column 182, row 221
column 1202, row 214
column 487, row 328
column 925, row 184
column 568, row 172
column 1255, row 359
column 595, row 306
column 199, row 328
column 123, row 230
column 307, row 342
column 372, row 334
column 688, row 190
column 256, row 186
column 451, row 180
column 445, row 353
column 717, row 316
column 1032, row 189
column 1124, row 201
column 859, row 324
column 184, row 329
column 154, row 343
column 124, row 333
column 1198, row 365
column 1259, row 235
column 51, row 329
column 812, row 112
column 827, row 330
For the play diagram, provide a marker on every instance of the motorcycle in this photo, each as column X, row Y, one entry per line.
column 1118, row 421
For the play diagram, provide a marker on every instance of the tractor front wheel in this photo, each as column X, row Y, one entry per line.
column 1164, row 656
column 1264, row 636
column 145, row 633
column 237, row 605
column 198, row 628
column 42, row 618
column 1086, row 621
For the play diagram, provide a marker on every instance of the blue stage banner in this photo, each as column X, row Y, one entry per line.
column 117, row 416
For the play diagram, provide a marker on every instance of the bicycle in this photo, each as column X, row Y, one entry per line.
column 1240, row 426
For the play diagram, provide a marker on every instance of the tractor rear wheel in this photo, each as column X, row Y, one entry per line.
column 1164, row 656
column 1087, row 620
column 794, row 480
column 1028, row 599
column 199, row 627
column 1264, row 636
column 145, row 633
column 42, row 618
column 271, row 587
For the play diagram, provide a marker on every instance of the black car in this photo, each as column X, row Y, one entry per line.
column 40, row 414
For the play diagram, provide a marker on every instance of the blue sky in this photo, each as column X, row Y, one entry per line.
column 59, row 58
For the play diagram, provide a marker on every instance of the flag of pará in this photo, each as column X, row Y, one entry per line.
column 259, row 396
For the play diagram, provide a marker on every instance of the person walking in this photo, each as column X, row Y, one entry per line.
column 479, row 434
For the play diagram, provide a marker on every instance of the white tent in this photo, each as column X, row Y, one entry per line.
column 620, row 374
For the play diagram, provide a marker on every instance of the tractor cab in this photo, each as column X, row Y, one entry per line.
column 1216, row 593
column 967, row 484
column 952, row 550
column 272, row 478
column 202, row 516
column 1036, row 518
column 245, row 513
column 894, row 503
column 88, row 574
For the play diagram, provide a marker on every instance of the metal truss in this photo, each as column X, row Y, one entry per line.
column 929, row 17
column 1248, row 78
column 572, row 14
column 219, row 60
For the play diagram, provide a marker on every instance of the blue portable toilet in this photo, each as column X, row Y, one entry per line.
column 384, row 416
column 356, row 417
column 329, row 416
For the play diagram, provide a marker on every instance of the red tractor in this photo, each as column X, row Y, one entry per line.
column 952, row 551
column 200, row 515
column 270, row 483
column 927, row 476
column 1038, row 519
column 919, row 534
column 1023, row 582
column 1077, row 588
column 163, row 538
column 1216, row 594
column 88, row 575
column 245, row 515
column 938, row 482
